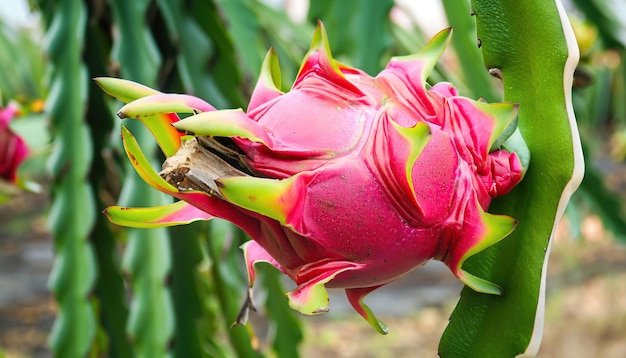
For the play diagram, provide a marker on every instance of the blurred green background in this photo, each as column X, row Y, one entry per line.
column 71, row 284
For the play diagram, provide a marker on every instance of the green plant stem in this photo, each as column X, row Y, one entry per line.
column 464, row 41
column 147, row 258
column 531, row 45
column 72, row 213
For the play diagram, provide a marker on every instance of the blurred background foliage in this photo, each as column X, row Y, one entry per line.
column 125, row 293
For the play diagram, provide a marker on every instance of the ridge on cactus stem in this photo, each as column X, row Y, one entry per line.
column 346, row 181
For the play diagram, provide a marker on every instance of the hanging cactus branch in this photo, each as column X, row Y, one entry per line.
column 72, row 215
column 530, row 45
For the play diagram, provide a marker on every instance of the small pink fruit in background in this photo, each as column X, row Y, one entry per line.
column 13, row 149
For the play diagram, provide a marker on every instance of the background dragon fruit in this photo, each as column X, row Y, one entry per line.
column 13, row 149
column 345, row 181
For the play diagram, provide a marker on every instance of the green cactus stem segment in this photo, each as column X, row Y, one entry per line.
column 532, row 46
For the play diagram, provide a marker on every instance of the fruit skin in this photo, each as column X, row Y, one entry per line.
column 345, row 181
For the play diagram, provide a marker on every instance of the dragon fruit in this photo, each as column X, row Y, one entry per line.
column 13, row 149
column 346, row 181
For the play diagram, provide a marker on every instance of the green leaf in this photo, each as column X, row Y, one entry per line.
column 147, row 257
column 109, row 290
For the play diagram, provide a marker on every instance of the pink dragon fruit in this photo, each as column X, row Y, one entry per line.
column 13, row 149
column 346, row 181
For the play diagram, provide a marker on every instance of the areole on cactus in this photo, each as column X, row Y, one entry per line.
column 345, row 181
